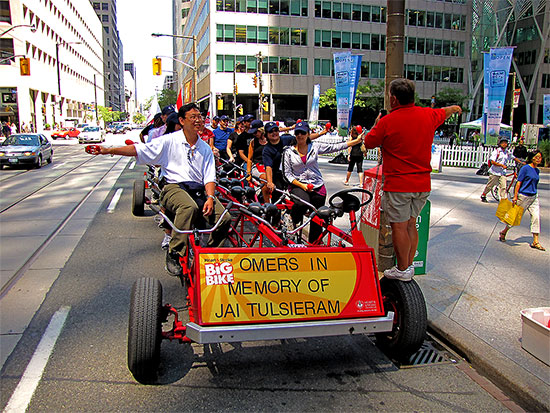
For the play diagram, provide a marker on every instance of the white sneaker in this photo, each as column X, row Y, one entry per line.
column 396, row 274
column 166, row 240
column 346, row 183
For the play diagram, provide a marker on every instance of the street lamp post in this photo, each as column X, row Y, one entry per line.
column 194, row 67
column 32, row 26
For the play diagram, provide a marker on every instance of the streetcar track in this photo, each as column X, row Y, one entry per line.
column 27, row 264
column 43, row 186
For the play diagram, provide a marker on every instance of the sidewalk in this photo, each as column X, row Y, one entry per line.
column 476, row 286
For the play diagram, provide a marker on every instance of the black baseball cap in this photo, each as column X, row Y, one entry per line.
column 302, row 126
column 240, row 119
column 255, row 125
column 502, row 140
column 224, row 117
column 248, row 117
column 271, row 126
column 167, row 110
column 216, row 117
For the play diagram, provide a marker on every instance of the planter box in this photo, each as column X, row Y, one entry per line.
column 535, row 332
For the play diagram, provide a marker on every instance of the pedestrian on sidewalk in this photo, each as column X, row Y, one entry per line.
column 406, row 136
column 497, row 169
column 355, row 157
column 526, row 196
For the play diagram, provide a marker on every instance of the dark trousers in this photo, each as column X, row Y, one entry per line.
column 188, row 216
column 298, row 210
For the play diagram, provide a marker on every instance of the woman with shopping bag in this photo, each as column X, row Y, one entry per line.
column 525, row 195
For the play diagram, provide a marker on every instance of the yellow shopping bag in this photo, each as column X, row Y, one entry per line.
column 509, row 213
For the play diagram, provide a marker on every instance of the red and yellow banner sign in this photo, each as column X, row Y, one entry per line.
column 283, row 286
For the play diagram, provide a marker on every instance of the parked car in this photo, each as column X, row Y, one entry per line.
column 119, row 128
column 92, row 134
column 29, row 149
column 81, row 126
column 65, row 133
column 109, row 128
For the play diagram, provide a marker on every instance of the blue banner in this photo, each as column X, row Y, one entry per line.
column 546, row 111
column 346, row 76
column 497, row 69
column 314, row 114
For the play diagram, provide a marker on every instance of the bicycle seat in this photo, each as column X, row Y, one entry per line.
column 256, row 208
column 324, row 212
column 250, row 193
column 237, row 191
column 225, row 182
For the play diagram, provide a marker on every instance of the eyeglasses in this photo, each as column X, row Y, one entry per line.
column 193, row 117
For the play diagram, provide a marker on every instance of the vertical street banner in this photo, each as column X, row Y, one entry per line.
column 187, row 91
column 314, row 114
column 546, row 111
column 486, row 60
column 346, row 76
column 496, row 82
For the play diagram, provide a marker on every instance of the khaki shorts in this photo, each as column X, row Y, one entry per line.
column 402, row 206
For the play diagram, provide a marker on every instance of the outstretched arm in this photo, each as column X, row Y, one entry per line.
column 128, row 150
column 451, row 110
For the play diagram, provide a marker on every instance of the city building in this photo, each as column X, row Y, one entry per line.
column 63, row 41
column 526, row 26
column 113, row 62
column 130, row 88
column 297, row 39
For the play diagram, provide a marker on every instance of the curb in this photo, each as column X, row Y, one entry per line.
column 530, row 391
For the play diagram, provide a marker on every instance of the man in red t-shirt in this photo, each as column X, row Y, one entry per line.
column 405, row 136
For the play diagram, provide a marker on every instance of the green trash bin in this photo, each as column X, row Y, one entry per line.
column 423, row 227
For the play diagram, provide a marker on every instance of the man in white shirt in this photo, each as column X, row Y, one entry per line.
column 190, row 174
column 497, row 171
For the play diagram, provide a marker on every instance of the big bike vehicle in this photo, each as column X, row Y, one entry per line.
column 270, row 283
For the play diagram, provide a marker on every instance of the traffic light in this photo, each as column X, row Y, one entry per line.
column 157, row 66
column 255, row 81
column 236, row 89
column 265, row 105
column 241, row 110
column 25, row 66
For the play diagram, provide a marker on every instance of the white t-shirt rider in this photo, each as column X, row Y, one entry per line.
column 502, row 156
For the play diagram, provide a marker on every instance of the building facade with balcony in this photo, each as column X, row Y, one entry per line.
column 65, row 55
column 297, row 39
column 113, row 63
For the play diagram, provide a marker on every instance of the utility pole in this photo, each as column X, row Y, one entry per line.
column 235, row 93
column 95, row 100
column 513, row 101
column 395, row 36
column 259, row 59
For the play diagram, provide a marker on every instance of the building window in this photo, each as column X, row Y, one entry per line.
column 105, row 18
column 6, row 51
column 104, row 6
column 97, row 6
column 5, row 13
column 317, row 11
column 106, row 29
column 545, row 81
column 251, row 6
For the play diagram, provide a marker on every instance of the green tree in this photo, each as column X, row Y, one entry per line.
column 369, row 96
column 139, row 118
column 167, row 97
column 148, row 103
column 450, row 96
column 105, row 114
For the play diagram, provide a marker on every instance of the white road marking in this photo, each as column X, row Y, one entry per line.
column 132, row 165
column 114, row 201
column 21, row 397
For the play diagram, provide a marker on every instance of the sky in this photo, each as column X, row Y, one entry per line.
column 136, row 20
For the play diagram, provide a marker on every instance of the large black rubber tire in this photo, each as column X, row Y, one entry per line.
column 405, row 299
column 50, row 159
column 38, row 163
column 145, row 329
column 138, row 198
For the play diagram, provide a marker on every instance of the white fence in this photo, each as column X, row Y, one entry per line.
column 460, row 156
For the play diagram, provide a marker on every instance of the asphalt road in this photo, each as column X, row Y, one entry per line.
column 87, row 368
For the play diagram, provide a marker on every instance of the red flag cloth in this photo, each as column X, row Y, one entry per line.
column 179, row 102
column 370, row 213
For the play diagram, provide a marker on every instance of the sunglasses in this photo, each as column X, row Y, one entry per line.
column 300, row 132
